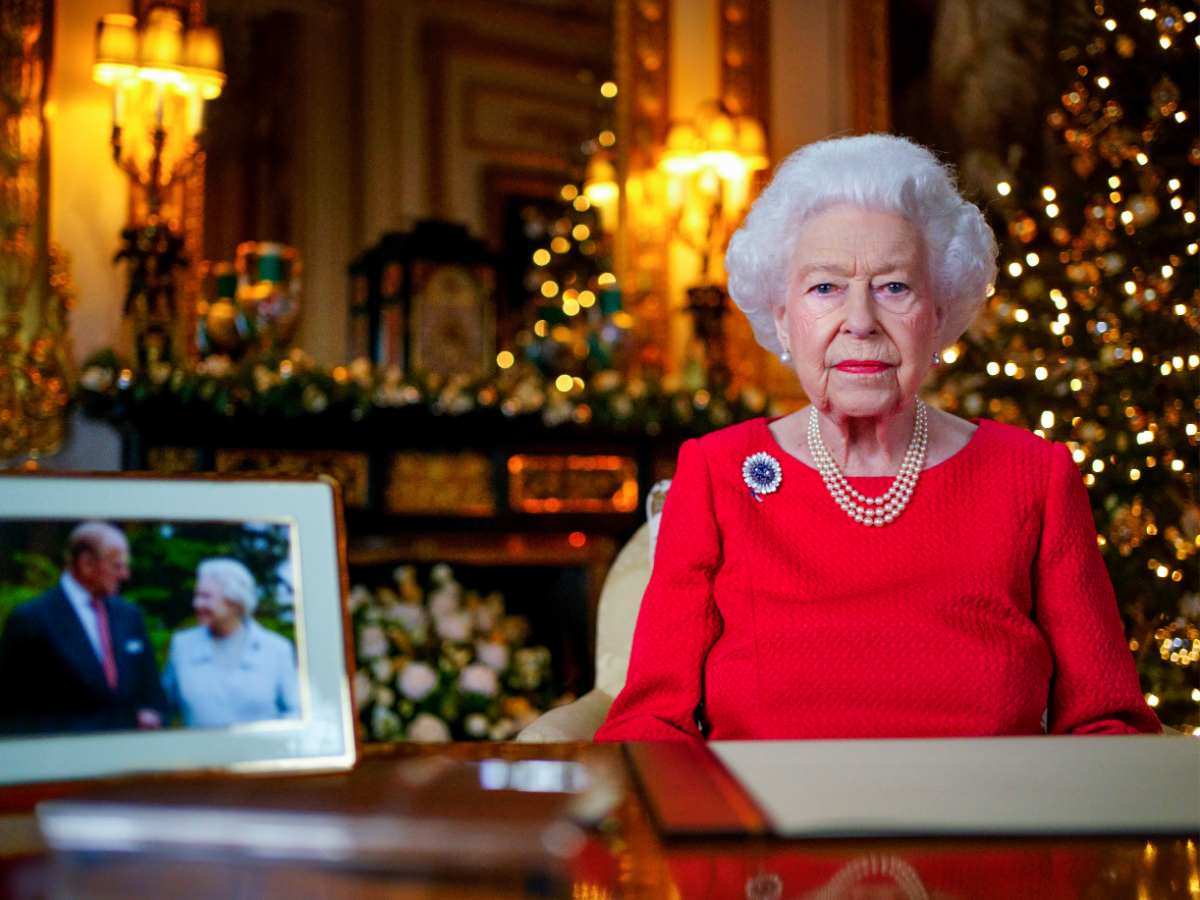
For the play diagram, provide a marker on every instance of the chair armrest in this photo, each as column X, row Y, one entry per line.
column 578, row 721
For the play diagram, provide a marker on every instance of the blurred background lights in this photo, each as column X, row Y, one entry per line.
column 504, row 359
column 1004, row 189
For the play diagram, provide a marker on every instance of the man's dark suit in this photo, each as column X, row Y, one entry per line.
column 51, row 680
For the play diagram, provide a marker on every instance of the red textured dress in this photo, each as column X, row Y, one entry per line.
column 984, row 609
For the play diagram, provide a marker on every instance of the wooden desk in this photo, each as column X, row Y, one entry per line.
column 624, row 858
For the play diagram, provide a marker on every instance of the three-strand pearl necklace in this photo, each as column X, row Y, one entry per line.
column 872, row 510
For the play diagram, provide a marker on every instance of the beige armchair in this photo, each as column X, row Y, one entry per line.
column 620, row 600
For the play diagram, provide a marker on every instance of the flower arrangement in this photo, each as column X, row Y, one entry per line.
column 447, row 664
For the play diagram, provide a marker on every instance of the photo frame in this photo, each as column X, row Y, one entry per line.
column 288, row 531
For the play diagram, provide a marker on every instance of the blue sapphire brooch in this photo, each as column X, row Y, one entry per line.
column 762, row 474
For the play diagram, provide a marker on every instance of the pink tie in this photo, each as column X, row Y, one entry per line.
column 107, row 661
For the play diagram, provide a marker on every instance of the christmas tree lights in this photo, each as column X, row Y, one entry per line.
column 1090, row 336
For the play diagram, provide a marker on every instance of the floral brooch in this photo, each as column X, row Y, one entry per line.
column 762, row 474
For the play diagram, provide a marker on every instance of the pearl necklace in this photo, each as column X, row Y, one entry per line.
column 872, row 510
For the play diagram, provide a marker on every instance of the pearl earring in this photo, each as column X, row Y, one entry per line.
column 937, row 359
column 785, row 357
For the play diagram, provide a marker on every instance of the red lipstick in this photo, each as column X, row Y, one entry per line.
column 862, row 366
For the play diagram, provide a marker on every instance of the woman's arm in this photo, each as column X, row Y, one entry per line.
column 678, row 621
column 1095, row 685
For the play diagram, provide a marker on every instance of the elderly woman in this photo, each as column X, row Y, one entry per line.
column 229, row 668
column 870, row 566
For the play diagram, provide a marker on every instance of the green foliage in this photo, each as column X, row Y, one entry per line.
column 1091, row 334
column 40, row 574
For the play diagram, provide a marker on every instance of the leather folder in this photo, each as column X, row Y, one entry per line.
column 955, row 787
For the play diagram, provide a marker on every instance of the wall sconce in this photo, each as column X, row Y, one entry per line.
column 161, row 75
column 709, row 163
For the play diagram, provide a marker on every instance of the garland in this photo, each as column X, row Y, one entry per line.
column 294, row 386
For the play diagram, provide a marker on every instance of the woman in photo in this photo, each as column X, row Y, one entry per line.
column 229, row 668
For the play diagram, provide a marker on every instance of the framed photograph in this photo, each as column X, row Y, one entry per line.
column 166, row 624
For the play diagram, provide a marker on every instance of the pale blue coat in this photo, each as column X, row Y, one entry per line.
column 262, row 686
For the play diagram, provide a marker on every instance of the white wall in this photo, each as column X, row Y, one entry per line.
column 810, row 69
column 89, row 196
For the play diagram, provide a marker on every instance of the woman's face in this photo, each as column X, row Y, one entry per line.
column 859, row 318
column 219, row 615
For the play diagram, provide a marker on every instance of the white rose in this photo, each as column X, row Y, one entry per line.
column 417, row 681
column 385, row 696
column 489, row 613
column 364, row 690
column 441, row 574
column 477, row 679
column 372, row 642
column 359, row 597
column 382, row 669
column 412, row 618
column 476, row 725
column 445, row 599
column 428, row 729
column 492, row 655
column 454, row 627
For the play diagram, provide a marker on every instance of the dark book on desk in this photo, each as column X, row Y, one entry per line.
column 421, row 815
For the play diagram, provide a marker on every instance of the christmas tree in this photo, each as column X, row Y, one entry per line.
column 1090, row 337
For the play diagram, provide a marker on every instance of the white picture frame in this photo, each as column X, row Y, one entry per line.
column 322, row 738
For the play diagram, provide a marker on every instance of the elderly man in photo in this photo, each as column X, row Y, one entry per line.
column 78, row 658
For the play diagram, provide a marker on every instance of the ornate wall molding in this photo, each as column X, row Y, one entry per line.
column 870, row 65
column 745, row 58
column 641, row 64
column 35, row 286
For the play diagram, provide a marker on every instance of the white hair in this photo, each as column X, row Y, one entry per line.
column 880, row 172
column 237, row 584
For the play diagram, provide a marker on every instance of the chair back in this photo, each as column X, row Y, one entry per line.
column 621, row 597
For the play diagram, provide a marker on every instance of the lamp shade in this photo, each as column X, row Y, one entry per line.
column 205, row 61
column 116, row 48
column 162, row 45
column 600, row 182
column 751, row 143
column 682, row 148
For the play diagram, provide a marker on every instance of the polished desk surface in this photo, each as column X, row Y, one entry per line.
column 625, row 858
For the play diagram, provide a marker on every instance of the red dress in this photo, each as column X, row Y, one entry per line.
column 984, row 609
